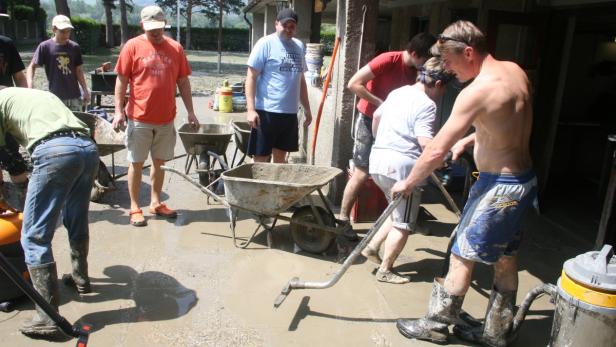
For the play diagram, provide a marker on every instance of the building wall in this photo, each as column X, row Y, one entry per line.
column 334, row 142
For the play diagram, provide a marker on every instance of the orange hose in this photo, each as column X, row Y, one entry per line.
column 323, row 97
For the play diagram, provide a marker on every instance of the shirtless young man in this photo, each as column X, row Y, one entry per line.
column 498, row 104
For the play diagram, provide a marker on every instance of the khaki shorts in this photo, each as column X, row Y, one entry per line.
column 144, row 138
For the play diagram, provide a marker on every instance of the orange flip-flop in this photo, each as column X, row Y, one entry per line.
column 163, row 211
column 135, row 220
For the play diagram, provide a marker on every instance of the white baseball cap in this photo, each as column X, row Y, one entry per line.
column 61, row 22
column 152, row 17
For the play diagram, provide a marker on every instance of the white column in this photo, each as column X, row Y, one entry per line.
column 303, row 8
column 258, row 25
column 270, row 19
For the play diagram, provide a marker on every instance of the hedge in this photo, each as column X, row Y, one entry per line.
column 233, row 39
column 328, row 39
column 86, row 33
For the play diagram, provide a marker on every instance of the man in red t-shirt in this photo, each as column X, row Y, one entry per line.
column 372, row 83
column 153, row 65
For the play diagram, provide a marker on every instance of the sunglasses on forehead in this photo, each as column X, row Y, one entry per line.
column 441, row 39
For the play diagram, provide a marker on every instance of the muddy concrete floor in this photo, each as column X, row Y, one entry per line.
column 182, row 282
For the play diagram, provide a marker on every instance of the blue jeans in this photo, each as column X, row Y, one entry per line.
column 63, row 172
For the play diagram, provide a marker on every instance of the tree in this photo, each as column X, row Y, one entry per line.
column 62, row 8
column 124, row 4
column 108, row 5
column 209, row 8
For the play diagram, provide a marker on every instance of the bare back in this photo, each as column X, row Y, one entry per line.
column 503, row 126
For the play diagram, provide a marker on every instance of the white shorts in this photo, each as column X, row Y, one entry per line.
column 144, row 138
column 404, row 217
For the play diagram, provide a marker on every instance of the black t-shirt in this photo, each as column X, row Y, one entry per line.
column 10, row 61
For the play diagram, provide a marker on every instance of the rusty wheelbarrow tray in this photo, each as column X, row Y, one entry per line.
column 268, row 190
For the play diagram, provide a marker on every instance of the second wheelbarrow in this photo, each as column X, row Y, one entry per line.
column 268, row 190
column 108, row 141
column 241, row 136
column 198, row 141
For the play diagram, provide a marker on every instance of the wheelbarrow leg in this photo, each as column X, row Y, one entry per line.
column 268, row 229
column 234, row 154
column 113, row 175
column 189, row 160
column 233, row 214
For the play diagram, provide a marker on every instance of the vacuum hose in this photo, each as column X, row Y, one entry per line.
column 544, row 288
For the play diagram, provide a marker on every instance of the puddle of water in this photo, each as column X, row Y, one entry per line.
column 160, row 297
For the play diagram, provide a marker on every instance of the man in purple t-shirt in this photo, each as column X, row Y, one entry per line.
column 62, row 60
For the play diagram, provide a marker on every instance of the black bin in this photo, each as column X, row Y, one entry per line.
column 103, row 82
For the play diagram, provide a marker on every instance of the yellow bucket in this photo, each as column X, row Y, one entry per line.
column 225, row 100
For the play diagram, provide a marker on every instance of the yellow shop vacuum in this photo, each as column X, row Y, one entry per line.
column 10, row 247
column 585, row 300
column 585, row 313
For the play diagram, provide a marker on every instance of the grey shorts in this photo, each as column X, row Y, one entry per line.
column 363, row 141
column 404, row 217
column 144, row 138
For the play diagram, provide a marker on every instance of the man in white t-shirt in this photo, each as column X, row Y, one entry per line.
column 403, row 125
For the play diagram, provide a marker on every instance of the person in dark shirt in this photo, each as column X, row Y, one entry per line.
column 12, row 74
column 62, row 60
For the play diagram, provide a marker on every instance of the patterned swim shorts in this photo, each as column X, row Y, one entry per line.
column 490, row 226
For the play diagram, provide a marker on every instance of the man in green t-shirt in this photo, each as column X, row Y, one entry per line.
column 65, row 161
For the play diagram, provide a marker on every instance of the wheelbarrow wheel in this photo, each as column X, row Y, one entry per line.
column 312, row 240
column 204, row 178
column 96, row 194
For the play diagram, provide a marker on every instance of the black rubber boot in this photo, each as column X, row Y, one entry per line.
column 497, row 324
column 45, row 281
column 79, row 261
column 443, row 310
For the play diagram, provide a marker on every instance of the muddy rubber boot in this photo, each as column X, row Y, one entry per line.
column 443, row 310
column 79, row 261
column 497, row 323
column 45, row 281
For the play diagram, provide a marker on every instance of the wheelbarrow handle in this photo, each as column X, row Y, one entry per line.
column 220, row 159
column 203, row 189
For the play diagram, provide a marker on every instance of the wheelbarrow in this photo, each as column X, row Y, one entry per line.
column 199, row 141
column 268, row 190
column 241, row 136
column 108, row 141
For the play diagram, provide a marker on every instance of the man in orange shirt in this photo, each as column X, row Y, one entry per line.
column 153, row 65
